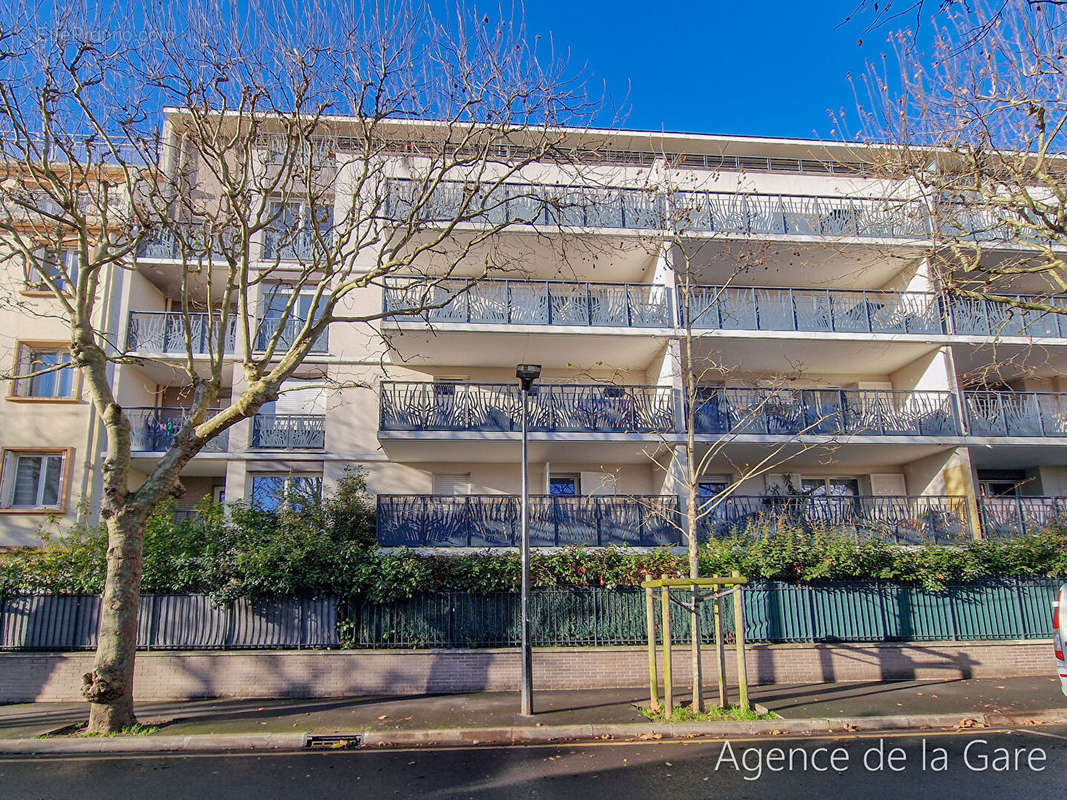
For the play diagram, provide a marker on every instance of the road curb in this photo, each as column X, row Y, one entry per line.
column 208, row 743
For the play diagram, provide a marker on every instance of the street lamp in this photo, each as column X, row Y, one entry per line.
column 527, row 374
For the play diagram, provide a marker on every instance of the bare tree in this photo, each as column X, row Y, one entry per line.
column 977, row 129
column 293, row 161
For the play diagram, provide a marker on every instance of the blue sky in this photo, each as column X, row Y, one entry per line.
column 750, row 67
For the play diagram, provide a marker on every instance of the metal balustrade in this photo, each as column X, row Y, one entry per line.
column 592, row 408
column 940, row 519
column 290, row 332
column 169, row 332
column 191, row 240
column 289, row 432
column 987, row 318
column 515, row 302
column 760, row 308
column 1006, row 517
column 493, row 520
column 152, row 429
column 868, row 412
column 1016, row 413
column 78, row 149
column 800, row 215
column 524, row 204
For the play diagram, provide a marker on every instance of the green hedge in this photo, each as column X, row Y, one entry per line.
column 328, row 549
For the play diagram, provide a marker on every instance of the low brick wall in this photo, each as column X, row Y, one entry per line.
column 26, row 677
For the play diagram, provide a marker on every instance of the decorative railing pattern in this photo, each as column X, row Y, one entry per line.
column 190, row 240
column 290, row 331
column 800, row 215
column 1016, row 413
column 941, row 519
column 524, row 204
column 512, row 302
column 870, row 412
column 758, row 308
column 152, row 430
column 166, row 332
column 493, row 520
column 289, row 431
column 987, row 318
column 1006, row 517
column 593, row 408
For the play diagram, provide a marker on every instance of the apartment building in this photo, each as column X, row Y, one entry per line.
column 786, row 276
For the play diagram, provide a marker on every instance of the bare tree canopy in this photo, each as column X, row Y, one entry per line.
column 291, row 160
column 979, row 126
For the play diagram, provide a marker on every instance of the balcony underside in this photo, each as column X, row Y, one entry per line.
column 204, row 464
column 506, row 345
column 798, row 452
column 788, row 353
column 498, row 447
column 168, row 370
column 1010, row 453
column 1010, row 357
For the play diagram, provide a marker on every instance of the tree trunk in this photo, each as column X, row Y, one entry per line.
column 694, row 626
column 109, row 687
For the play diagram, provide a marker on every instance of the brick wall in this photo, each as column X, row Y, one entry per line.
column 175, row 675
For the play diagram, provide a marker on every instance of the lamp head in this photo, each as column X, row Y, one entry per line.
column 527, row 374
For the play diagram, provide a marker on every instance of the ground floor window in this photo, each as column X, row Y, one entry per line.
column 33, row 480
column 564, row 485
column 271, row 492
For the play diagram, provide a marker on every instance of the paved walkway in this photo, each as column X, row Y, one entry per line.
column 498, row 709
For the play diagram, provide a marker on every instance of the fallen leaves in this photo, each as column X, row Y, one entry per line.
column 968, row 722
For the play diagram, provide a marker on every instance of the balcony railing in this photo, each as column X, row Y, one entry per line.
column 514, row 302
column 153, row 430
column 801, row 215
column 166, row 332
column 758, row 308
column 1009, row 517
column 290, row 331
column 986, row 318
column 1016, row 413
column 865, row 412
column 493, row 520
column 289, row 432
column 525, row 204
column 902, row 520
column 583, row 408
column 167, row 244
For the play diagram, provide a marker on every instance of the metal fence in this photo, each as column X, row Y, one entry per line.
column 153, row 428
column 855, row 611
column 170, row 622
column 175, row 332
column 1016, row 413
column 989, row 318
column 288, row 432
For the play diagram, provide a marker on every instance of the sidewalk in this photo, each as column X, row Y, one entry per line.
column 559, row 714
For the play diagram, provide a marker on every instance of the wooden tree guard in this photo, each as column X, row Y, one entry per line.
column 718, row 588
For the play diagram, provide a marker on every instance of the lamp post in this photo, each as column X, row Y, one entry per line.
column 527, row 374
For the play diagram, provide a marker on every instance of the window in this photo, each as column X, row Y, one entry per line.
column 59, row 266
column 291, row 236
column 291, row 491
column 33, row 480
column 1001, row 482
column 276, row 312
column 564, row 486
column 830, row 487
column 44, row 372
column 833, row 500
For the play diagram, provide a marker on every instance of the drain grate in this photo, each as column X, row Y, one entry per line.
column 337, row 741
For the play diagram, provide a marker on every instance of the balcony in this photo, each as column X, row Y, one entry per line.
column 554, row 408
column 758, row 308
column 800, row 215
column 289, row 333
column 984, row 318
column 1006, row 517
column 525, row 204
column 289, row 432
column 188, row 239
column 165, row 332
column 493, row 520
column 902, row 520
column 152, row 430
column 822, row 412
column 1016, row 413
column 513, row 302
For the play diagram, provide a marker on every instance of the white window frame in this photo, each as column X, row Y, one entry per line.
column 11, row 458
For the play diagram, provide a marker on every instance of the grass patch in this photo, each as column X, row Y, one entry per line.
column 728, row 714
column 78, row 730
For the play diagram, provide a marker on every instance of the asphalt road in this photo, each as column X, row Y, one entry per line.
column 852, row 767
